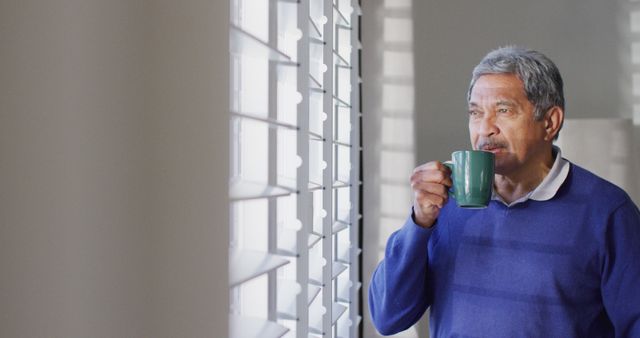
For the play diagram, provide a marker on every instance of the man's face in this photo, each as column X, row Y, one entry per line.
column 501, row 120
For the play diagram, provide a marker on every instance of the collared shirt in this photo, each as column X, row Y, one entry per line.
column 549, row 185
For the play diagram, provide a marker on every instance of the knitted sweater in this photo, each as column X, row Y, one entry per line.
column 566, row 267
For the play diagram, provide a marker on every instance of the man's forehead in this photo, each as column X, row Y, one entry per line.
column 497, row 87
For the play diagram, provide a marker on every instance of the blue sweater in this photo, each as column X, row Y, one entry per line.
column 567, row 267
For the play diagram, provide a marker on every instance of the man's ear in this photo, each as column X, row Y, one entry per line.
column 552, row 122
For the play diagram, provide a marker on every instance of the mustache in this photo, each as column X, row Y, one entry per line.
column 491, row 144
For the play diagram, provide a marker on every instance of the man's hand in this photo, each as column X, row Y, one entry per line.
column 430, row 183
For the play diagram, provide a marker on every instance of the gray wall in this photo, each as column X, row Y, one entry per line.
column 113, row 175
column 581, row 36
column 372, row 31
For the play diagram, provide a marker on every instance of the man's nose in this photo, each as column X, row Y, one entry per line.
column 488, row 126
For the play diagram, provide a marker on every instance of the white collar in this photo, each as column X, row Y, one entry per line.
column 549, row 185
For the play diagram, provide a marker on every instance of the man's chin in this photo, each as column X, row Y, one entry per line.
column 501, row 166
column 500, row 172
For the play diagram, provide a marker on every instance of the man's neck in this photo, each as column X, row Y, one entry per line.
column 519, row 183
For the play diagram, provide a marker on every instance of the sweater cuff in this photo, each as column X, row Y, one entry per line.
column 418, row 230
column 412, row 220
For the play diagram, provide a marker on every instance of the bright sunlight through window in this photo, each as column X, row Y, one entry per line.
column 295, row 168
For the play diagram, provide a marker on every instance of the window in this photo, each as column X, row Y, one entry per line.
column 295, row 168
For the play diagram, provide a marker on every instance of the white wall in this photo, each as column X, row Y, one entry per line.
column 113, row 148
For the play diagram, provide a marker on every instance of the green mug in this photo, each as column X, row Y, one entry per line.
column 472, row 175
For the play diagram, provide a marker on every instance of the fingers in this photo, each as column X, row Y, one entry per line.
column 427, row 199
column 433, row 188
column 433, row 165
column 430, row 183
column 434, row 172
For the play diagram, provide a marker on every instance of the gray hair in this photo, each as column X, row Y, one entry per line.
column 541, row 78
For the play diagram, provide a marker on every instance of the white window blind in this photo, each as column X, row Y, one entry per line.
column 295, row 168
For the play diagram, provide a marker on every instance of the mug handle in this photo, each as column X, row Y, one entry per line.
column 449, row 164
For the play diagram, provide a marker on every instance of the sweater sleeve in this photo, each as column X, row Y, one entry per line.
column 621, row 271
column 398, row 291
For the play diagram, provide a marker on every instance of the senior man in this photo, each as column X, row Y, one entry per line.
column 555, row 254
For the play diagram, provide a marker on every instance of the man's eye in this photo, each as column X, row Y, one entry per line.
column 503, row 110
column 473, row 113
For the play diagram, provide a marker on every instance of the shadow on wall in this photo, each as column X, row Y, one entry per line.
column 628, row 19
column 389, row 133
